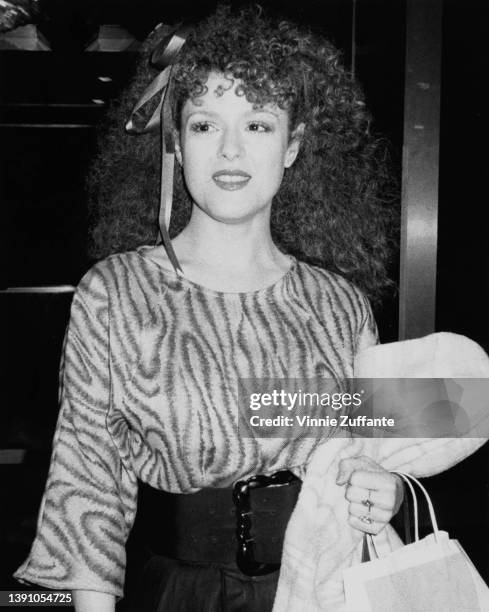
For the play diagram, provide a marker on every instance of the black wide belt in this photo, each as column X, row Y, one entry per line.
column 244, row 524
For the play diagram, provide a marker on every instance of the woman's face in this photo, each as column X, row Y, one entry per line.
column 233, row 155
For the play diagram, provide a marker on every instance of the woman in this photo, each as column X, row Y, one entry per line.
column 278, row 162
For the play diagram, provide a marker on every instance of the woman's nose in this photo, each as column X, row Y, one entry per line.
column 231, row 144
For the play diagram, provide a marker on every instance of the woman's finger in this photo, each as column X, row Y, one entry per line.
column 373, row 480
column 381, row 499
column 377, row 515
column 364, row 525
column 347, row 466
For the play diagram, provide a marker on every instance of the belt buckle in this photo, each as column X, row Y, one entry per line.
column 245, row 557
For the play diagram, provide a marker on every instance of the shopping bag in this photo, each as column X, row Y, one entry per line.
column 433, row 574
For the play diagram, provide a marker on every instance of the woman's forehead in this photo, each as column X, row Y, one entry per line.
column 226, row 93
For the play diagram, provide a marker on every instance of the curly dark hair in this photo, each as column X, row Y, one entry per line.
column 335, row 205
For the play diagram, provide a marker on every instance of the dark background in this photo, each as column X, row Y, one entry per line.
column 47, row 134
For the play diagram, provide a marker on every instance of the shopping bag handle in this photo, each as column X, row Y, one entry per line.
column 368, row 542
column 407, row 478
column 407, row 482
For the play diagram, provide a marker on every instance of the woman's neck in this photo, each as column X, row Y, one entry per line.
column 230, row 257
column 231, row 248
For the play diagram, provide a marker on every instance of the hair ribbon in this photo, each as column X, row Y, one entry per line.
column 162, row 57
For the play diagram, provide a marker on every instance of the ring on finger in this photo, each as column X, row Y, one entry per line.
column 366, row 519
column 367, row 502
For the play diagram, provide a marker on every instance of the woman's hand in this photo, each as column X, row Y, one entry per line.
column 375, row 495
column 93, row 601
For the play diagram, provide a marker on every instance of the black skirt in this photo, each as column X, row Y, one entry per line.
column 169, row 585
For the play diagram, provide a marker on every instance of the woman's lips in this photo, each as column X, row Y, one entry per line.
column 231, row 180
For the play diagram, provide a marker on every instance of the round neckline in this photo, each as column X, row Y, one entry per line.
column 143, row 252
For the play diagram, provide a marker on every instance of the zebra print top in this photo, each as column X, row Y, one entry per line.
column 149, row 391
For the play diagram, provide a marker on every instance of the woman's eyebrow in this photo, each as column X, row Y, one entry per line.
column 252, row 112
column 202, row 111
column 268, row 111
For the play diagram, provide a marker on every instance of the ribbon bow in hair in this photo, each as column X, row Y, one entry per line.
column 162, row 58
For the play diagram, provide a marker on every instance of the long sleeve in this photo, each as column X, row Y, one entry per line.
column 90, row 498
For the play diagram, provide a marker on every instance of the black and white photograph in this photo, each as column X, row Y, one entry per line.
column 244, row 305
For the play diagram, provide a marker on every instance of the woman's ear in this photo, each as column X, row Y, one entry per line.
column 294, row 145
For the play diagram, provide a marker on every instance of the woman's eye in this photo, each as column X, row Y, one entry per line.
column 201, row 127
column 259, row 126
